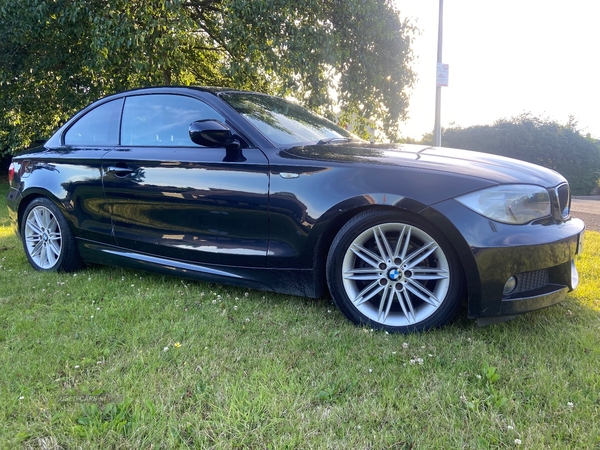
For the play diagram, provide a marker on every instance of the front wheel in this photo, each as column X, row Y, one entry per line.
column 394, row 272
column 49, row 243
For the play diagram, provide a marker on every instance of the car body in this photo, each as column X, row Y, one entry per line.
column 246, row 189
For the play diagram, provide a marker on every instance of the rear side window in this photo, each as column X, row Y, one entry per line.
column 162, row 120
column 98, row 127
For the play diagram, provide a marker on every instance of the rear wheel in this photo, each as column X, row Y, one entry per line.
column 394, row 272
column 49, row 243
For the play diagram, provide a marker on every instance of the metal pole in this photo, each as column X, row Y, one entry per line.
column 437, row 130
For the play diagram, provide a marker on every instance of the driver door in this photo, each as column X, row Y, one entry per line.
column 171, row 198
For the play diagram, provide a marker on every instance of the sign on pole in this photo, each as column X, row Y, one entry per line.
column 442, row 74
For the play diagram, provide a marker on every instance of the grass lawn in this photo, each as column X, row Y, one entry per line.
column 112, row 358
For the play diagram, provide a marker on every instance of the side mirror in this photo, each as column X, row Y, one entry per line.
column 212, row 133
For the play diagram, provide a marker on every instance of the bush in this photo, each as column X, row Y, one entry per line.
column 540, row 141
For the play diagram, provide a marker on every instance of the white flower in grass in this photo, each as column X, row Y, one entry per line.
column 405, row 345
column 246, row 294
column 166, row 349
column 21, row 398
column 517, row 441
column 77, row 367
column 570, row 404
column 510, row 428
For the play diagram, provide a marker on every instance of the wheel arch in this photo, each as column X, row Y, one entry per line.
column 341, row 213
column 29, row 196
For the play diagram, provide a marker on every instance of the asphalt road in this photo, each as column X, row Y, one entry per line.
column 588, row 210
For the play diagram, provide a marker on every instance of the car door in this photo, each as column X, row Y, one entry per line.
column 174, row 199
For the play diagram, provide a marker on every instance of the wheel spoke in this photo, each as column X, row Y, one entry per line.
column 406, row 242
column 52, row 253
column 399, row 243
column 367, row 293
column 39, row 218
column 53, row 225
column 367, row 273
column 387, row 298
column 33, row 226
column 382, row 244
column 407, row 306
column 428, row 273
column 366, row 255
column 54, row 247
column 37, row 249
column 420, row 254
column 422, row 292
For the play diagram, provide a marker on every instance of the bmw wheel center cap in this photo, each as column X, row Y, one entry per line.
column 394, row 274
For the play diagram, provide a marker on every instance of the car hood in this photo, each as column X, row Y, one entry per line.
column 497, row 169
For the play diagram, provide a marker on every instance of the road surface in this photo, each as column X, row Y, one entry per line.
column 588, row 210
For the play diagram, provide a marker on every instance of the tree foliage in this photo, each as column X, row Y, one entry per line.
column 59, row 55
column 540, row 141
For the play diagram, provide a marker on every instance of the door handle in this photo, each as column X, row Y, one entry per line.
column 119, row 171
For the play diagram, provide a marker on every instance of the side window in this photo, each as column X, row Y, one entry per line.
column 100, row 126
column 162, row 120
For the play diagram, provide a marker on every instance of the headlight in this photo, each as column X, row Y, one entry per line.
column 513, row 204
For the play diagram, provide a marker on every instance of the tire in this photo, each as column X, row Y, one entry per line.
column 395, row 272
column 47, row 239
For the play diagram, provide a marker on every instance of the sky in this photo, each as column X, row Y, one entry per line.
column 506, row 58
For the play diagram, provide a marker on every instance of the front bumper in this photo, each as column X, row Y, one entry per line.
column 539, row 256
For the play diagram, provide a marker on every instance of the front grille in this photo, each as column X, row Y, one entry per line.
column 563, row 198
column 528, row 281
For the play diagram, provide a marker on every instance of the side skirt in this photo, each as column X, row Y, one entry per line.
column 299, row 282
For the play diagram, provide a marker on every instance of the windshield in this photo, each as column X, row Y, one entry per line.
column 284, row 123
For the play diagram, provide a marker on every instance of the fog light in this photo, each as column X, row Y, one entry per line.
column 510, row 285
column 574, row 275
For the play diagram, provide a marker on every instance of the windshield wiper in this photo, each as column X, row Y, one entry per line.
column 333, row 140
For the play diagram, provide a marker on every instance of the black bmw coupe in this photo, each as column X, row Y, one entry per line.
column 247, row 189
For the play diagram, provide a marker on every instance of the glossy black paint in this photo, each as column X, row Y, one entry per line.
column 262, row 216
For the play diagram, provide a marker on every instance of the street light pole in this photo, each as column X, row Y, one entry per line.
column 437, row 130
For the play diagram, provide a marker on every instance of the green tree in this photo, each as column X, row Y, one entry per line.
column 540, row 141
column 59, row 55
